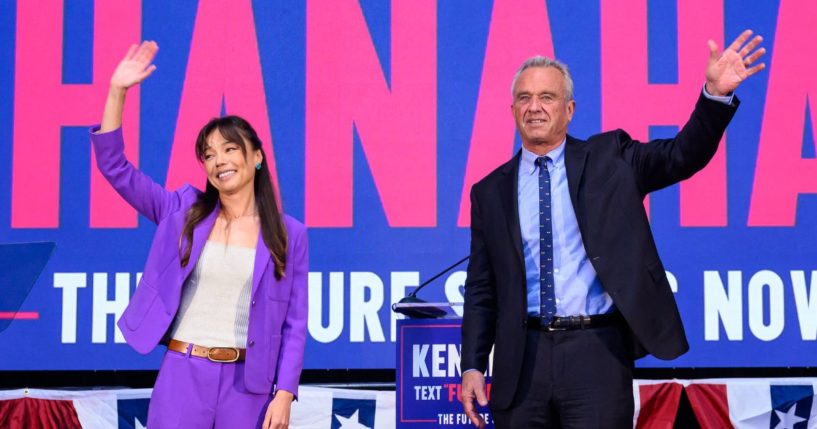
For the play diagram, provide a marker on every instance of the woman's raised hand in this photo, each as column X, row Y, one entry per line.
column 133, row 69
column 136, row 66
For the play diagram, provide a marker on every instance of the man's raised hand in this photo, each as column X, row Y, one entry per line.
column 726, row 70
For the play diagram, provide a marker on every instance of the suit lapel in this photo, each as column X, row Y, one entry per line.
column 510, row 204
column 200, row 234
column 262, row 259
column 575, row 159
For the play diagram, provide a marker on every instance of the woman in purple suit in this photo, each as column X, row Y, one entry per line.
column 225, row 283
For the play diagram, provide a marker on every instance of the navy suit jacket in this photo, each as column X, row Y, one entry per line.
column 608, row 177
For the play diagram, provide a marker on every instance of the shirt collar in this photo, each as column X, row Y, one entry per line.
column 527, row 162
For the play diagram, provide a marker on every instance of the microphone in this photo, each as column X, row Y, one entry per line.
column 418, row 310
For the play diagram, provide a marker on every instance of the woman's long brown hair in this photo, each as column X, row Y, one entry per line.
column 238, row 130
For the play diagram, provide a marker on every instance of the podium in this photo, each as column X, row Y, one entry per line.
column 428, row 368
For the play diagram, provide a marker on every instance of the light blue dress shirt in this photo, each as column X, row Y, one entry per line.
column 578, row 289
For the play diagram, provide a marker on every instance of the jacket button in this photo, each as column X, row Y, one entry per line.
column 252, row 342
column 253, row 302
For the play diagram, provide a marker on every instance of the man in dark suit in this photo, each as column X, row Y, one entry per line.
column 564, row 281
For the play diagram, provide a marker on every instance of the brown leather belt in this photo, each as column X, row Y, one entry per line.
column 215, row 354
column 575, row 322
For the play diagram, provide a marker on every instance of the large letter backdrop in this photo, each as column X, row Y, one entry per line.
column 377, row 117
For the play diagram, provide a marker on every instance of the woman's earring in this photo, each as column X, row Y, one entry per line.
column 258, row 166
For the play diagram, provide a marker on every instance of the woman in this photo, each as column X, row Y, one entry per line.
column 225, row 284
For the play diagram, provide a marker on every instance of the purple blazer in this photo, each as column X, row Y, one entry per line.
column 278, row 309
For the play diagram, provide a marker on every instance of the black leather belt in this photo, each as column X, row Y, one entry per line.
column 575, row 322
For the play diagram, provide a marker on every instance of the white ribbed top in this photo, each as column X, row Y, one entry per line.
column 215, row 304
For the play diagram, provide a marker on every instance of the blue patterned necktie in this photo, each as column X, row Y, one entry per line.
column 547, row 295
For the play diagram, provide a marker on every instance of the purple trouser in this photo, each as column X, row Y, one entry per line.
column 193, row 392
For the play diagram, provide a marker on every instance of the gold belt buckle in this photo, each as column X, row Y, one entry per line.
column 214, row 359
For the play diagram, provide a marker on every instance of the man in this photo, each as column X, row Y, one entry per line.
column 564, row 279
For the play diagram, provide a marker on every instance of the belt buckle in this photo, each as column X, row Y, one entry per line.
column 550, row 326
column 213, row 359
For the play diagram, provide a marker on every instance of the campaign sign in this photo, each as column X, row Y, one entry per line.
column 429, row 375
column 377, row 117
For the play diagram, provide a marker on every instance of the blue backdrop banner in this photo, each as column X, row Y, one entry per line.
column 379, row 116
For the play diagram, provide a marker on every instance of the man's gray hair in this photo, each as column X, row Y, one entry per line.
column 544, row 62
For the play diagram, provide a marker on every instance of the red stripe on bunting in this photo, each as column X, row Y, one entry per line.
column 710, row 404
column 31, row 413
column 659, row 405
